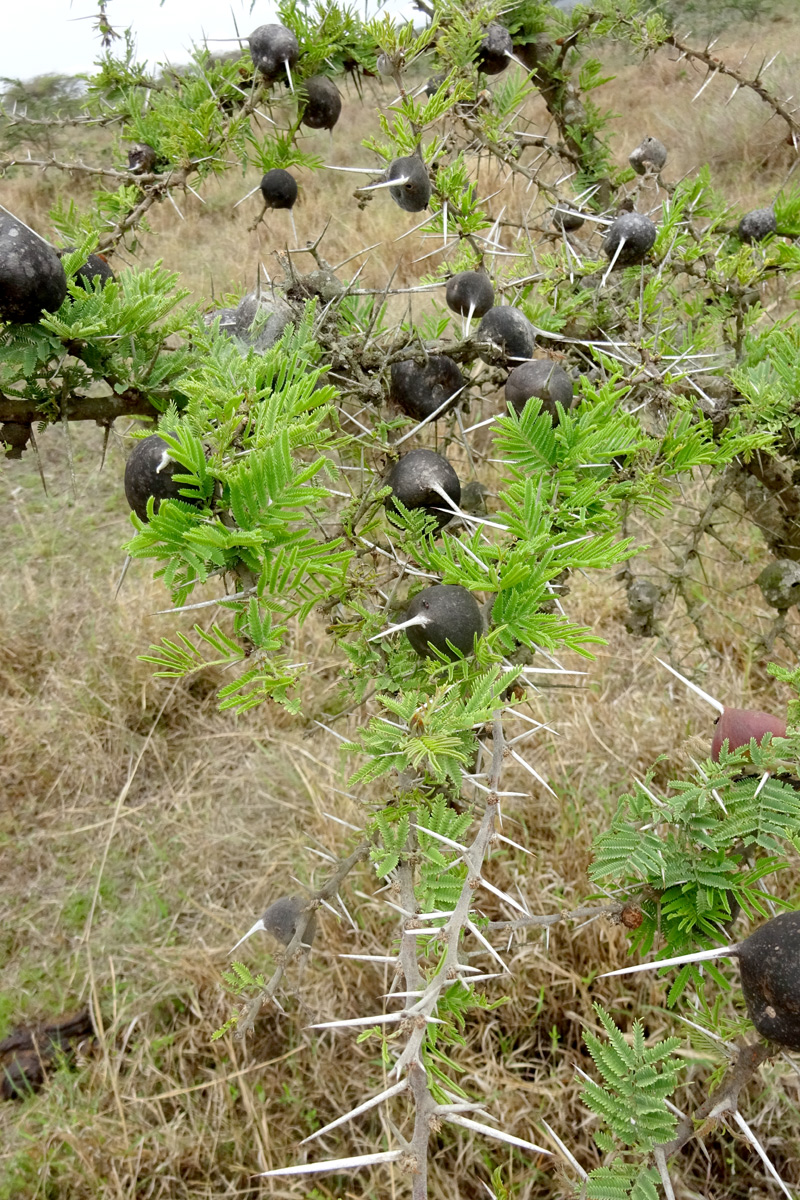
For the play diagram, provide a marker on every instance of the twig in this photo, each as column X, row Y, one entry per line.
column 247, row 1018
column 723, row 1100
column 717, row 66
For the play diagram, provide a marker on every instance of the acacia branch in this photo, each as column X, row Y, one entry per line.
column 723, row 1100
column 78, row 168
column 153, row 191
column 584, row 913
column 59, row 122
column 754, row 85
column 21, row 410
column 247, row 1018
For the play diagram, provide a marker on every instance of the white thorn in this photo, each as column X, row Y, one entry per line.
column 373, row 187
column 568, row 1155
column 338, row 1164
column 477, row 933
column 760, row 1151
column 356, row 170
column 247, row 197
column 699, row 956
column 421, row 619
column 253, row 929
column 356, row 1112
column 384, row 958
column 504, row 896
column 610, row 266
column 380, row 1019
column 699, row 691
column 488, row 1131
column 432, row 416
column 534, row 773
column 440, row 837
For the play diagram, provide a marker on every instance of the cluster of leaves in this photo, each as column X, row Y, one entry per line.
column 698, row 855
column 113, row 335
column 637, row 1081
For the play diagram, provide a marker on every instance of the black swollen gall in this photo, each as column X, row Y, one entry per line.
column 470, row 293
column 412, row 190
column 32, row 278
column 320, row 103
column 758, row 224
column 769, row 962
column 418, row 479
column 780, row 583
column 269, row 312
column 226, row 317
column 541, row 378
column 568, row 219
column 650, row 156
column 629, row 239
column 279, row 188
column 150, row 471
column 433, row 84
column 495, row 50
column 141, row 158
column 96, row 266
column 443, row 613
column 509, row 329
column 274, row 50
column 419, row 389
column 281, row 920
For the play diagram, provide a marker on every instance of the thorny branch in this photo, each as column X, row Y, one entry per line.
column 451, row 969
column 723, row 1100
column 328, row 891
column 755, row 84
column 78, row 168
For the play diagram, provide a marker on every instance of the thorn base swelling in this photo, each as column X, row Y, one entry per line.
column 32, row 279
column 415, row 478
column 451, row 613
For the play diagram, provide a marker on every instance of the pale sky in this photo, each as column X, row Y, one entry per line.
column 44, row 36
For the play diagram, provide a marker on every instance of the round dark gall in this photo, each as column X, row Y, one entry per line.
column 541, row 378
column 141, row 158
column 758, row 224
column 32, row 278
column 780, row 583
column 451, row 613
column 509, row 329
column 321, row 104
column 271, row 47
column 494, row 51
column 96, row 266
column 639, row 234
column 280, row 919
column 419, row 389
column 414, row 478
column 769, row 961
column 279, row 188
column 469, row 292
column 650, row 156
column 566, row 218
column 414, row 192
column 150, row 471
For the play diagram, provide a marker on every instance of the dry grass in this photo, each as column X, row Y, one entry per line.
column 141, row 830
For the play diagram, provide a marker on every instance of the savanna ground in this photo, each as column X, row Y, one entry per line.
column 142, row 831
